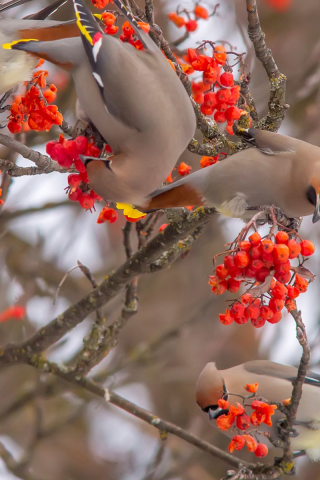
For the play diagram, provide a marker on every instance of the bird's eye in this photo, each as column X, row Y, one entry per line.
column 312, row 195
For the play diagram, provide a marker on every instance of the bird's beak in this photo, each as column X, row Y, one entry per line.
column 213, row 414
column 316, row 215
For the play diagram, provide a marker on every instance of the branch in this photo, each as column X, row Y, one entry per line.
column 138, row 264
column 287, row 459
column 277, row 106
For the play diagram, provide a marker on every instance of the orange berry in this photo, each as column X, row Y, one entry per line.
column 201, row 12
column 258, row 322
column 255, row 239
column 262, row 274
column 246, row 298
column 252, row 388
column 252, row 311
column 237, row 310
column 220, row 288
column 255, row 252
column 307, row 248
column 293, row 292
column 281, row 253
column 279, row 291
column 184, row 169
column 221, row 271
column 283, row 277
column 256, row 264
column 213, row 280
column 162, row 227
column 283, row 267
column 267, row 245
column 229, row 262
column 301, row 283
column 226, row 318
column 233, row 285
column 290, row 305
column 282, row 237
column 266, row 312
column 261, row 450
column 276, row 318
column 276, row 305
column 294, row 249
column 241, row 259
column 245, row 245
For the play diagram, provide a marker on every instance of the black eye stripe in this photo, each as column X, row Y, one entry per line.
column 312, row 195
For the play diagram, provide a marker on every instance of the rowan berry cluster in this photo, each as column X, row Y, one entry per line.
column 31, row 111
column 264, row 267
column 190, row 18
column 237, row 418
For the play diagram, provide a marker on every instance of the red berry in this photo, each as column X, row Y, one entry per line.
column 266, row 312
column 283, row 277
column 262, row 274
column 307, row 248
column 282, row 237
column 233, row 285
column 267, row 259
column 252, row 311
column 214, row 280
column 237, row 310
column 255, row 239
column 74, row 180
column 279, row 291
column 258, row 322
column 256, row 264
column 226, row 79
column 276, row 304
column 221, row 271
column 220, row 288
column 75, row 194
column 50, row 145
column 293, row 292
column 245, row 245
column 294, row 249
column 261, row 450
column 223, row 95
column 226, row 318
column 79, row 165
column 276, row 318
column 201, row 12
column 246, row 298
column 283, row 267
column 229, row 262
column 234, row 95
column 281, row 253
column 241, row 259
column 255, row 253
column 267, row 245
column 86, row 201
column 301, row 283
column 191, row 25
column 219, row 117
column 243, row 421
column 235, row 272
column 249, row 273
column 233, row 113
column 210, row 99
column 206, row 109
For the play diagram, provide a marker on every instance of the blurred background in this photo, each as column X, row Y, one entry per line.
column 176, row 331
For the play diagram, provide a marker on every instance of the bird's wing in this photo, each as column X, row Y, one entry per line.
column 46, row 11
column 268, row 142
column 277, row 370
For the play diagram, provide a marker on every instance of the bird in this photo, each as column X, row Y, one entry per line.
column 134, row 99
column 17, row 67
column 275, row 384
column 278, row 170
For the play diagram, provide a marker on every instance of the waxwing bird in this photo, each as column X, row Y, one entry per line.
column 279, row 170
column 133, row 98
column 275, row 384
column 16, row 67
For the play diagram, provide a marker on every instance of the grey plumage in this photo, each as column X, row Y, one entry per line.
column 136, row 102
column 16, row 67
column 275, row 384
column 278, row 171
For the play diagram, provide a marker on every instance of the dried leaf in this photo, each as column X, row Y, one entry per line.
column 263, row 287
column 304, row 272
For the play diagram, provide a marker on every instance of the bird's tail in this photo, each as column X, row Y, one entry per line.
column 178, row 194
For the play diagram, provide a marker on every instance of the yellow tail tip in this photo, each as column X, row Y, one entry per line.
column 130, row 211
column 8, row 46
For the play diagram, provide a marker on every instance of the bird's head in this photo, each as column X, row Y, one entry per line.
column 313, row 194
column 211, row 388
